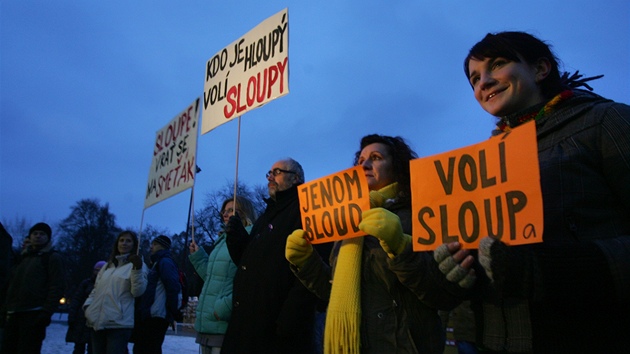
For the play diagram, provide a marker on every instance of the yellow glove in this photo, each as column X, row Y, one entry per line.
column 298, row 249
column 385, row 225
column 378, row 198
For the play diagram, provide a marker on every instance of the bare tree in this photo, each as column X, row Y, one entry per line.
column 18, row 229
column 85, row 237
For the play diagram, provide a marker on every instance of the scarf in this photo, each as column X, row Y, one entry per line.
column 512, row 121
column 343, row 317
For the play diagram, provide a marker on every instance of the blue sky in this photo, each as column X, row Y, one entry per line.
column 84, row 86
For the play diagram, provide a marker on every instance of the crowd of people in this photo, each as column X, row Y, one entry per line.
column 267, row 289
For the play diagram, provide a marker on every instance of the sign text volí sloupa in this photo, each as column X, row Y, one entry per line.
column 487, row 189
column 173, row 166
column 248, row 73
column 332, row 206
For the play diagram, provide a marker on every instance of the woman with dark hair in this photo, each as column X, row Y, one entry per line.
column 109, row 310
column 569, row 293
column 217, row 271
column 383, row 297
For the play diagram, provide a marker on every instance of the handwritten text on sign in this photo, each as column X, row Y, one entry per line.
column 248, row 73
column 487, row 189
column 332, row 206
column 173, row 167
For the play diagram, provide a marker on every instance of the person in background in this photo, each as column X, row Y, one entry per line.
column 78, row 332
column 109, row 309
column 383, row 297
column 272, row 311
column 570, row 293
column 158, row 306
column 7, row 258
column 36, row 285
column 217, row 270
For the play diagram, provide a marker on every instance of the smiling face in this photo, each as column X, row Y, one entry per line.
column 125, row 244
column 503, row 87
column 377, row 165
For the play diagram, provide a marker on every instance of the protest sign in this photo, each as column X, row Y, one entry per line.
column 487, row 189
column 248, row 73
column 173, row 167
column 331, row 207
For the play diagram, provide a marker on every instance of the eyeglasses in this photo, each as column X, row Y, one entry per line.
column 276, row 171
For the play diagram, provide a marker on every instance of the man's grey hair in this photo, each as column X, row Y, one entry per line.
column 295, row 166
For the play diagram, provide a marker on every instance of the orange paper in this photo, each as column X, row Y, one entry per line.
column 488, row 189
column 332, row 206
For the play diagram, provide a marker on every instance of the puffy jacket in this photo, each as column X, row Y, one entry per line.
column 111, row 303
column 37, row 282
column 217, row 270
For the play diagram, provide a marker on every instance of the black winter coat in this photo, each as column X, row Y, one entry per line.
column 272, row 311
column 78, row 332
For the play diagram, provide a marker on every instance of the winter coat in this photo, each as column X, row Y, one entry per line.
column 399, row 297
column 217, row 270
column 272, row 311
column 161, row 297
column 38, row 281
column 78, row 332
column 576, row 284
column 111, row 303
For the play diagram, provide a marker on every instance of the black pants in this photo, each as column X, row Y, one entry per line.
column 149, row 336
column 24, row 332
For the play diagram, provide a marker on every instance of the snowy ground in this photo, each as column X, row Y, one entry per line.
column 55, row 343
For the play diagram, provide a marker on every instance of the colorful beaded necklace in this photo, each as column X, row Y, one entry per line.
column 546, row 109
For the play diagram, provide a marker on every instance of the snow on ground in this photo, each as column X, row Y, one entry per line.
column 55, row 343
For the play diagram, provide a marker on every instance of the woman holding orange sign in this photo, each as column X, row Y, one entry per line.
column 570, row 293
column 383, row 297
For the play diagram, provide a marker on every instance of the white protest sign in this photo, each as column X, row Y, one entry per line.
column 248, row 73
column 173, row 167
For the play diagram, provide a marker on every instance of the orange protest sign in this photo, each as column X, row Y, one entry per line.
column 331, row 207
column 488, row 189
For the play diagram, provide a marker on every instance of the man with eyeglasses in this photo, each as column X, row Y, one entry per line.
column 272, row 311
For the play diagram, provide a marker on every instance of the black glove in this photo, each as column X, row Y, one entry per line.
column 43, row 318
column 178, row 316
column 135, row 260
column 235, row 228
column 509, row 267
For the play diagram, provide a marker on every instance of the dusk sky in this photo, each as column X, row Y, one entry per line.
column 84, row 86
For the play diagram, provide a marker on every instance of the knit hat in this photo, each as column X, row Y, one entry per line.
column 164, row 241
column 99, row 264
column 41, row 226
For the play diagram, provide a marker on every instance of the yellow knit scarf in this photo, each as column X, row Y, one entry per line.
column 343, row 318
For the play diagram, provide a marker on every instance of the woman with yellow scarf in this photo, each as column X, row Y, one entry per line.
column 383, row 297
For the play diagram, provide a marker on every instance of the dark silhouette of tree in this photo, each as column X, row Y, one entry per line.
column 18, row 228
column 85, row 237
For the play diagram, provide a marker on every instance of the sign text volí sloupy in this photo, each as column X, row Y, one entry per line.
column 487, row 189
column 331, row 207
column 248, row 73
column 173, row 165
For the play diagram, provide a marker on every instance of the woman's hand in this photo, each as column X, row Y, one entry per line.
column 456, row 263
column 192, row 248
column 298, row 249
column 135, row 260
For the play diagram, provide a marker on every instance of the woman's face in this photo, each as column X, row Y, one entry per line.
column 377, row 165
column 227, row 211
column 503, row 87
column 125, row 244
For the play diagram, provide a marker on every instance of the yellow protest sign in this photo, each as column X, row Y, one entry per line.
column 488, row 189
column 331, row 206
